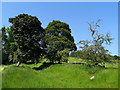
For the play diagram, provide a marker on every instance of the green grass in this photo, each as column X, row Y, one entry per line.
column 60, row 76
column 77, row 60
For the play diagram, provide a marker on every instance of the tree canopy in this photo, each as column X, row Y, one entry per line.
column 28, row 34
column 58, row 37
column 27, row 40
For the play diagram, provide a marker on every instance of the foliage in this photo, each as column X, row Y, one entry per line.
column 63, row 55
column 28, row 34
column 57, row 38
column 77, row 54
column 94, row 51
column 0, row 47
column 115, row 57
column 8, row 44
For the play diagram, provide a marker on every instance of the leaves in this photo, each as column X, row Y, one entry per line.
column 8, row 46
column 27, row 33
column 58, row 37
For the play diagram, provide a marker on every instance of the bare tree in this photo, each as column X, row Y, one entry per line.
column 94, row 49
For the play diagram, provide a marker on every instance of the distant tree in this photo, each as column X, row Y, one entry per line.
column 115, row 57
column 74, row 54
column 28, row 34
column 94, row 49
column 58, row 37
column 77, row 54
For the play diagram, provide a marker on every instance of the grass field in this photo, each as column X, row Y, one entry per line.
column 60, row 76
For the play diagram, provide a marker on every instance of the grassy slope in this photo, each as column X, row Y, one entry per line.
column 60, row 76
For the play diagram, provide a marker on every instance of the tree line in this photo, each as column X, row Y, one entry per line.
column 27, row 40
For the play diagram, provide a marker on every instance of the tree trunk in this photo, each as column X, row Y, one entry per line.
column 59, row 62
column 18, row 64
column 51, row 61
column 94, row 48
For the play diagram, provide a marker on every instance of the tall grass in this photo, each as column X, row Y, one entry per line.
column 60, row 76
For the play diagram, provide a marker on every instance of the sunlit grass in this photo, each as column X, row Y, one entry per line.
column 75, row 60
column 60, row 76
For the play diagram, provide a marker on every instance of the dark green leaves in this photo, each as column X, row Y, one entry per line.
column 27, row 32
column 58, row 37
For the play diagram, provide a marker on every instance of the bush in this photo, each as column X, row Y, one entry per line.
column 63, row 55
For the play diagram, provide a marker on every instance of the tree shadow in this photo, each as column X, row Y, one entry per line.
column 78, row 63
column 43, row 66
column 29, row 63
column 111, row 68
column 46, row 65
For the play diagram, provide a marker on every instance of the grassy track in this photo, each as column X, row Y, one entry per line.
column 60, row 76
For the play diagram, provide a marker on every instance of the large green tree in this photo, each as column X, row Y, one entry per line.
column 58, row 37
column 28, row 34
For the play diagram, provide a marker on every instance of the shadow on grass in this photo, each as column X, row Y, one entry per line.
column 43, row 66
column 78, row 63
column 46, row 65
column 92, row 66
column 29, row 63
column 110, row 68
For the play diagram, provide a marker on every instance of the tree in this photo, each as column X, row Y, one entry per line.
column 63, row 55
column 115, row 57
column 4, row 46
column 28, row 34
column 0, row 47
column 57, row 38
column 8, row 45
column 94, row 49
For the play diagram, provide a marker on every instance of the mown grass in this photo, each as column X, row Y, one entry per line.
column 60, row 76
